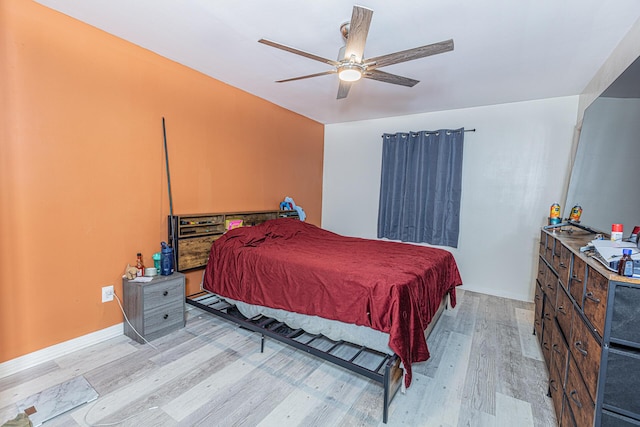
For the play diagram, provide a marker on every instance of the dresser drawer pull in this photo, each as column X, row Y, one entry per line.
column 563, row 265
column 538, row 296
column 552, row 385
column 555, row 348
column 578, row 346
column 576, row 401
column 561, row 309
column 545, row 345
column 575, row 279
column 165, row 293
column 547, row 316
column 589, row 296
column 165, row 317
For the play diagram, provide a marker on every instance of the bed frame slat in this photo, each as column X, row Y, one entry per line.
column 263, row 325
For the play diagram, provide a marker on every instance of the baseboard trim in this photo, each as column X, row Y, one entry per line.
column 49, row 353
column 493, row 292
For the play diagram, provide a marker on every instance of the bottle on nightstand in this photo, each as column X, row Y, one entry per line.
column 139, row 265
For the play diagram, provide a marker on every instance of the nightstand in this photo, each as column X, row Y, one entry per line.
column 154, row 308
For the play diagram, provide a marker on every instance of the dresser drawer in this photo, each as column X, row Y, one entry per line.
column 556, row 390
column 564, row 266
column 550, row 287
column 548, row 253
column 564, row 312
column 537, row 316
column 542, row 267
column 625, row 321
column 162, row 293
column 580, row 402
column 559, row 354
column 622, row 380
column 567, row 417
column 576, row 282
column 162, row 318
column 595, row 299
column 543, row 244
column 547, row 333
column 610, row 419
column 587, row 353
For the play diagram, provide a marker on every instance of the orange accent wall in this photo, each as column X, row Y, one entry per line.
column 82, row 175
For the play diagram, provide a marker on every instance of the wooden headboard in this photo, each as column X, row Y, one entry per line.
column 192, row 234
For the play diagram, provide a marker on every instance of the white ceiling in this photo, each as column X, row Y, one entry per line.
column 505, row 50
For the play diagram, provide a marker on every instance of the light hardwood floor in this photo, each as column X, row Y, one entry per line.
column 485, row 369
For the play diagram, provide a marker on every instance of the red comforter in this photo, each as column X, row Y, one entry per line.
column 288, row 264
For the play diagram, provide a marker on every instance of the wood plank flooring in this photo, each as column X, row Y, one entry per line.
column 485, row 369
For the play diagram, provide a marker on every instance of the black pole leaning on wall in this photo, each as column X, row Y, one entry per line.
column 171, row 222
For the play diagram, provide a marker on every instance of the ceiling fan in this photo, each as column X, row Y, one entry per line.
column 351, row 65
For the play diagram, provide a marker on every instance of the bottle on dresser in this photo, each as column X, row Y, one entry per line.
column 625, row 266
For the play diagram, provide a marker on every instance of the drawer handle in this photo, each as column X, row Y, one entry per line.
column 578, row 346
column 563, row 265
column 555, row 348
column 545, row 345
column 572, row 396
column 538, row 296
column 561, row 309
column 165, row 293
column 575, row 279
column 165, row 317
column 589, row 296
column 547, row 316
column 552, row 385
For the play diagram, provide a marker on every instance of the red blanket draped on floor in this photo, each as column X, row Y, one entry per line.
column 291, row 265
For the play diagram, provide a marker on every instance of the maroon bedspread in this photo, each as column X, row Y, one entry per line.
column 288, row 264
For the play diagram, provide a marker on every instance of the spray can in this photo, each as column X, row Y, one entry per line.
column 576, row 212
column 554, row 212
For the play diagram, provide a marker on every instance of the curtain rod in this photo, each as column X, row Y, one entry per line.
column 435, row 131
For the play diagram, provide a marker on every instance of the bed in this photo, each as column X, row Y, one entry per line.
column 377, row 294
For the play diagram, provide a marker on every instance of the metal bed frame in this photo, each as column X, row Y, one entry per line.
column 380, row 367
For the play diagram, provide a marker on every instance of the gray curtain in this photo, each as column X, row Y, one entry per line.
column 421, row 186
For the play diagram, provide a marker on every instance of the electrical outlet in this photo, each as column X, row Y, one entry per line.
column 107, row 293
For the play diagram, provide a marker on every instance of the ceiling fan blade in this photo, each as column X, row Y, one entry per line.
column 298, row 52
column 410, row 54
column 324, row 73
column 381, row 76
column 343, row 89
column 358, row 30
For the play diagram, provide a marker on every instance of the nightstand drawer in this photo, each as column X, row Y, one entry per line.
column 162, row 293
column 163, row 317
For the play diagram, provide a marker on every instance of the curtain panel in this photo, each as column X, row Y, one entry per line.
column 421, row 185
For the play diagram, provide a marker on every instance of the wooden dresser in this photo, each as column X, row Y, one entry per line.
column 587, row 320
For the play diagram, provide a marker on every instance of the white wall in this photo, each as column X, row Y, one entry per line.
column 514, row 168
column 606, row 171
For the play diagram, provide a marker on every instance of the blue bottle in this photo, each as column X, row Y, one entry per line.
column 166, row 260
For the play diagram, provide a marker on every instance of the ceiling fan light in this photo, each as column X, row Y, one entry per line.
column 350, row 73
